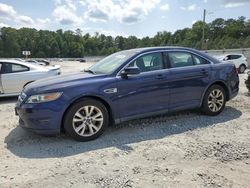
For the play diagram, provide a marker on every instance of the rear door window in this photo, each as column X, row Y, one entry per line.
column 199, row 60
column 180, row 59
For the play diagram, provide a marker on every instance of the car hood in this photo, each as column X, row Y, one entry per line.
column 56, row 83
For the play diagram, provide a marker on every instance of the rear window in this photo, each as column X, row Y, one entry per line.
column 19, row 68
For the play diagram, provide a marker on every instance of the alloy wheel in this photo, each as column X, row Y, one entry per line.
column 215, row 100
column 87, row 121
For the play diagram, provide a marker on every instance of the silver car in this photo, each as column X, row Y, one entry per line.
column 14, row 75
column 239, row 60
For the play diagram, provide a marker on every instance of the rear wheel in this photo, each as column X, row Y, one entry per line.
column 242, row 68
column 86, row 120
column 214, row 100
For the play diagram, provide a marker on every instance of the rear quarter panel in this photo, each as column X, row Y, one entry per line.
column 225, row 73
column 14, row 82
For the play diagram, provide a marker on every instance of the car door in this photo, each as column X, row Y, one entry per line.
column 13, row 77
column 189, row 76
column 146, row 92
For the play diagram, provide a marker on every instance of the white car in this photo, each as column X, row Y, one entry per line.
column 14, row 75
column 239, row 60
column 36, row 62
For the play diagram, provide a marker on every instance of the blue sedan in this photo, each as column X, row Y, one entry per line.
column 127, row 85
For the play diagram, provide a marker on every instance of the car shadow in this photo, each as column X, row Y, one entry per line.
column 27, row 145
column 8, row 100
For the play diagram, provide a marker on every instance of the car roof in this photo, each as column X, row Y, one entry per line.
column 231, row 54
column 21, row 63
column 158, row 48
column 151, row 49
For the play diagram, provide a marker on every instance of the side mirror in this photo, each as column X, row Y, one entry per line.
column 130, row 71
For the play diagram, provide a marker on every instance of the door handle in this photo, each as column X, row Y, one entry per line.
column 160, row 76
column 204, row 71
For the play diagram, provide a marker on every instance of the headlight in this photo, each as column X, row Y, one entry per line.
column 43, row 97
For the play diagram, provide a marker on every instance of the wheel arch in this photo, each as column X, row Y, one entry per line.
column 220, row 83
column 28, row 83
column 243, row 64
column 98, row 98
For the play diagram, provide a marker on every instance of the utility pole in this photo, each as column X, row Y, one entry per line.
column 203, row 30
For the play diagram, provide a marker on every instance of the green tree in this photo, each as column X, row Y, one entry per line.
column 219, row 34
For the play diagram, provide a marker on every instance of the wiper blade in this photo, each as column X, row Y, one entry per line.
column 89, row 71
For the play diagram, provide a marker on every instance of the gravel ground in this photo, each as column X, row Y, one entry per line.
column 185, row 149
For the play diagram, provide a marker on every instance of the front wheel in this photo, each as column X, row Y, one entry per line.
column 86, row 120
column 214, row 100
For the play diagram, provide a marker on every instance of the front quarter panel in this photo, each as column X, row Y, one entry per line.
column 95, row 89
column 54, row 111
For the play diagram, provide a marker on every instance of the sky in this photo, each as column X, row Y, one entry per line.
column 117, row 17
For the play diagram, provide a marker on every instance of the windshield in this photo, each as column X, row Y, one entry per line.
column 111, row 63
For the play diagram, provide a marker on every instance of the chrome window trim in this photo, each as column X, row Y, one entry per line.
column 192, row 53
column 160, row 51
column 186, row 67
column 172, row 50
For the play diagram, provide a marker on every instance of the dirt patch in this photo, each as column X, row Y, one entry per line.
column 214, row 180
column 223, row 152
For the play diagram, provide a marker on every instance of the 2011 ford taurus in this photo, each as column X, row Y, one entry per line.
column 127, row 85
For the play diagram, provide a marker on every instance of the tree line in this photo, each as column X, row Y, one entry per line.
column 219, row 34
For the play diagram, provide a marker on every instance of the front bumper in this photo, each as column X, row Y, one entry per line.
column 44, row 118
column 28, row 127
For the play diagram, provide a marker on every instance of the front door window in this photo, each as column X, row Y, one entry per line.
column 148, row 62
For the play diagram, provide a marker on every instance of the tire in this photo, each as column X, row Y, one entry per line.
column 213, row 105
column 84, row 113
column 242, row 68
